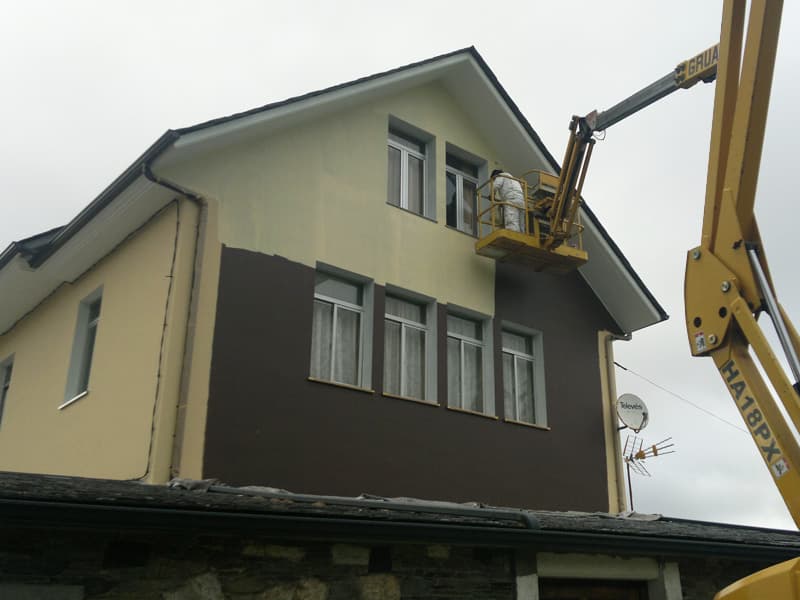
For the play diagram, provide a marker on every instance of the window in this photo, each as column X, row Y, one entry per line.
column 405, row 345
column 406, row 187
column 83, row 348
column 339, row 332
column 465, row 350
column 462, row 183
column 523, row 392
column 5, row 382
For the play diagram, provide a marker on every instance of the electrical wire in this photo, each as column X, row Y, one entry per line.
column 681, row 398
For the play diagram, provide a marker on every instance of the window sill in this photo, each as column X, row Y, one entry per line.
column 73, row 400
column 346, row 386
column 473, row 412
column 525, row 424
column 411, row 212
column 408, row 399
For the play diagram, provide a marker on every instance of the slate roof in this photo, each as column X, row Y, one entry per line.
column 43, row 501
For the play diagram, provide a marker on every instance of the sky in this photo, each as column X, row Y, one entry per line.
column 88, row 86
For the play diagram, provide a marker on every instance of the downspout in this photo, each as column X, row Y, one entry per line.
column 179, row 416
column 616, row 479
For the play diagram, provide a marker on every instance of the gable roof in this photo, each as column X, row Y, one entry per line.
column 33, row 269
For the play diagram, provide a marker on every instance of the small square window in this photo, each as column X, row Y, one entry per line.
column 523, row 375
column 461, row 178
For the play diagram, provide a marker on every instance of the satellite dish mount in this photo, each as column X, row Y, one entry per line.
column 633, row 413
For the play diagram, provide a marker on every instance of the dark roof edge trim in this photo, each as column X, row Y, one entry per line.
column 44, row 514
column 95, row 206
column 334, row 88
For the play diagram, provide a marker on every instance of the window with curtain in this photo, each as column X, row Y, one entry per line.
column 518, row 377
column 405, row 339
column 465, row 363
column 461, row 179
column 406, row 173
column 336, row 331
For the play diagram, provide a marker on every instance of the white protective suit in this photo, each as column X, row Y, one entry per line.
column 510, row 191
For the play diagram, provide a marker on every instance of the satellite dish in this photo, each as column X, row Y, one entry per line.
column 632, row 411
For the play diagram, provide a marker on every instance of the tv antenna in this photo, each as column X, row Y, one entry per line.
column 635, row 453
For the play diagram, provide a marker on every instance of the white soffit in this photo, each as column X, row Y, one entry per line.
column 613, row 283
column 469, row 85
column 131, row 209
column 287, row 113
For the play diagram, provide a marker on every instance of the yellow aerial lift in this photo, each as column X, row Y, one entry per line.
column 727, row 279
column 728, row 284
column 551, row 239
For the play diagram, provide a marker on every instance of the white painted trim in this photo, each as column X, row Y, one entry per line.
column 663, row 578
column 595, row 566
column 73, row 400
column 333, row 97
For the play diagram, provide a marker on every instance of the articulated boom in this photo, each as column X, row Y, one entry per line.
column 727, row 281
column 550, row 239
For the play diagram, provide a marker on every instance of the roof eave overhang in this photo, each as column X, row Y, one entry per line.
column 120, row 210
column 37, row 514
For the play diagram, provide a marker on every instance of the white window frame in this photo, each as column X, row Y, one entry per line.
column 429, row 327
column 76, row 387
column 405, row 152
column 460, row 177
column 339, row 305
column 6, row 372
column 487, row 353
column 537, row 359
column 364, row 358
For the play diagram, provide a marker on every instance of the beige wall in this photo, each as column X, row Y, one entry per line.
column 108, row 432
column 318, row 192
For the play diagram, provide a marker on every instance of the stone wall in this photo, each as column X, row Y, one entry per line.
column 701, row 579
column 100, row 565
column 80, row 565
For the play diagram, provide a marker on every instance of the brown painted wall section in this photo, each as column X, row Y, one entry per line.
column 269, row 425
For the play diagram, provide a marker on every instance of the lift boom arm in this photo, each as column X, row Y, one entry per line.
column 727, row 281
column 702, row 67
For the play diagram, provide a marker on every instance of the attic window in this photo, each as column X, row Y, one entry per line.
column 410, row 168
column 83, row 346
column 462, row 183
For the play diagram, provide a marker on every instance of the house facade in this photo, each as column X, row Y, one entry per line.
column 290, row 297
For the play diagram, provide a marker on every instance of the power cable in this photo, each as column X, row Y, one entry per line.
column 681, row 398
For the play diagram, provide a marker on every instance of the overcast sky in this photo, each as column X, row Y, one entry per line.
column 88, row 86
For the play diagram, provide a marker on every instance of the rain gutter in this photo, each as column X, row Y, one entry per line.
column 44, row 515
